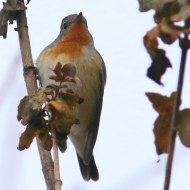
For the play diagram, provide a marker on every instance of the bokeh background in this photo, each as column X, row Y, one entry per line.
column 125, row 152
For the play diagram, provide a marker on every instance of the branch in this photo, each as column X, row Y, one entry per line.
column 184, row 44
column 58, row 181
column 31, row 85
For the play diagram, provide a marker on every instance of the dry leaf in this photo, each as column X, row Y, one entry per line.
column 159, row 60
column 163, row 105
column 183, row 127
column 27, row 137
column 161, row 133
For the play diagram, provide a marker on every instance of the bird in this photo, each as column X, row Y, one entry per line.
column 75, row 45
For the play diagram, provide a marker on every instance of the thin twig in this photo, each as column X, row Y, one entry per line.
column 58, row 181
column 31, row 85
column 173, row 131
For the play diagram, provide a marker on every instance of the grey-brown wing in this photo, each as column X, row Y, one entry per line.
column 94, row 126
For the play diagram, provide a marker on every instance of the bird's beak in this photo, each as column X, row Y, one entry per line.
column 79, row 18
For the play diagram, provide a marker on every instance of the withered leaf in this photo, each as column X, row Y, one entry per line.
column 163, row 105
column 3, row 23
column 21, row 107
column 158, row 66
column 161, row 133
column 57, row 68
column 27, row 137
column 9, row 13
column 52, row 108
column 29, row 109
column 70, row 98
column 159, row 60
column 183, row 127
column 169, row 8
column 62, row 116
column 69, row 70
column 166, row 7
column 146, row 5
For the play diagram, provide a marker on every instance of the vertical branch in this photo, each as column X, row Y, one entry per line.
column 31, row 85
column 173, row 132
column 58, row 181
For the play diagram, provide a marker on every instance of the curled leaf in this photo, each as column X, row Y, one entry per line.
column 159, row 60
column 183, row 127
column 158, row 66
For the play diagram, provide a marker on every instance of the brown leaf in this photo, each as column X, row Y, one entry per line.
column 21, row 107
column 62, row 116
column 159, row 60
column 3, row 23
column 70, row 98
column 161, row 133
column 64, row 73
column 31, row 114
column 69, row 70
column 158, row 66
column 164, row 106
column 57, row 68
column 151, row 42
column 27, row 137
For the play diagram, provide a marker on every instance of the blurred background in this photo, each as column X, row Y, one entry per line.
column 125, row 152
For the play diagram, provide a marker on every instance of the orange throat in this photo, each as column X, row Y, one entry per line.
column 73, row 43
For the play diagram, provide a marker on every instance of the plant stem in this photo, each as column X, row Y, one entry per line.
column 173, row 131
column 58, row 181
column 31, row 85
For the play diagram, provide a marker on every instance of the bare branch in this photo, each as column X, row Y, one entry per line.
column 184, row 44
column 31, row 85
column 58, row 181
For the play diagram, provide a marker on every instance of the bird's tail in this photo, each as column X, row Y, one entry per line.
column 89, row 171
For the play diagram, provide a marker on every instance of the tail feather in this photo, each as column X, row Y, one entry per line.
column 89, row 171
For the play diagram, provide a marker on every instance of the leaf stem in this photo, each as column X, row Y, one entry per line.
column 58, row 181
column 173, row 132
column 31, row 85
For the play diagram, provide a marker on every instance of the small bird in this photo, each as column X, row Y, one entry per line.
column 75, row 45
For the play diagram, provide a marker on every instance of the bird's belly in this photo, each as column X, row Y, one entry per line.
column 88, row 71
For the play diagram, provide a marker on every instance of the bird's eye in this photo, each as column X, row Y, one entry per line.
column 65, row 25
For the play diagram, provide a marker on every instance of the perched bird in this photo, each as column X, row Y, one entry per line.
column 74, row 45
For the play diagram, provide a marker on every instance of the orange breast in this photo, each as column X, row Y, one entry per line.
column 72, row 44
